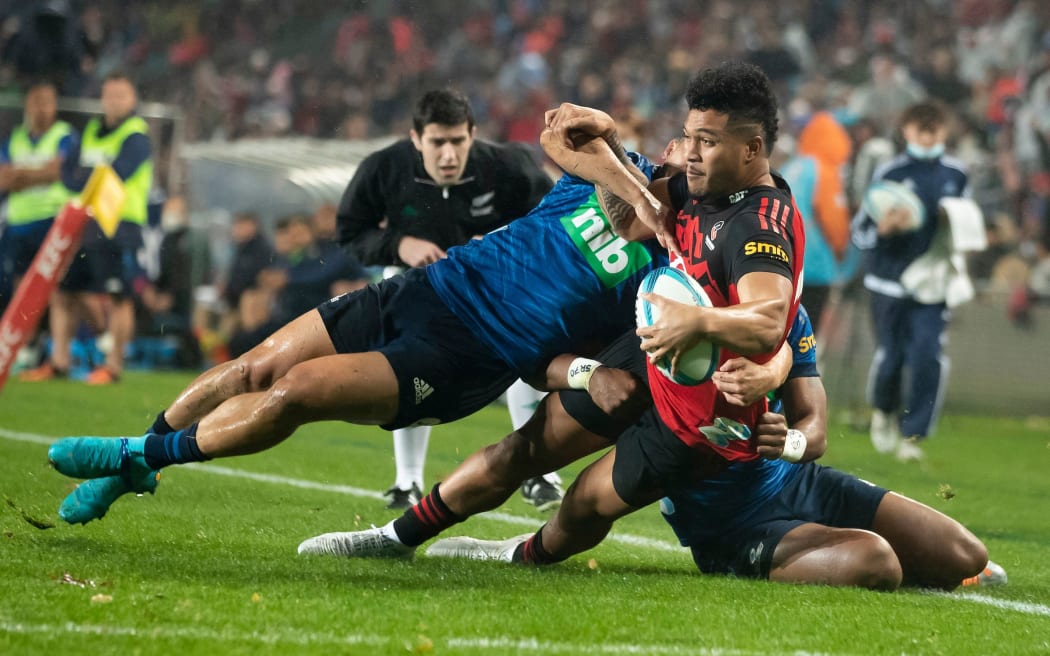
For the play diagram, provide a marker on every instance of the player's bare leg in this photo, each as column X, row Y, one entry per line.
column 549, row 440
column 302, row 339
column 934, row 549
column 357, row 387
column 587, row 513
column 813, row 553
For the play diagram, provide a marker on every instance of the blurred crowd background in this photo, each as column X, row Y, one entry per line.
column 350, row 70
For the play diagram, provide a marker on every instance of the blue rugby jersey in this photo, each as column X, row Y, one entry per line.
column 931, row 180
column 549, row 282
column 714, row 506
column 803, row 354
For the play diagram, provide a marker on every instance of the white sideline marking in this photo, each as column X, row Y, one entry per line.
column 1027, row 608
column 623, row 538
column 498, row 643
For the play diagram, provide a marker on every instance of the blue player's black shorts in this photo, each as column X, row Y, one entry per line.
column 623, row 353
column 106, row 265
column 815, row 495
column 443, row 371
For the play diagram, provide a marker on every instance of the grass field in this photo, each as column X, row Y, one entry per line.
column 208, row 564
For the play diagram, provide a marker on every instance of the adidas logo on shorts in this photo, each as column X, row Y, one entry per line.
column 423, row 389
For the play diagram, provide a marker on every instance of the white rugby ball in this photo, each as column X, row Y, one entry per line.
column 698, row 363
column 884, row 195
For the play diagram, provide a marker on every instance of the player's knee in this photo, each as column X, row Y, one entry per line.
column 288, row 397
column 967, row 554
column 513, row 457
column 254, row 370
column 875, row 565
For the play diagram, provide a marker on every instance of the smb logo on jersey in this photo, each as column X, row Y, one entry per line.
column 766, row 249
column 806, row 343
column 612, row 258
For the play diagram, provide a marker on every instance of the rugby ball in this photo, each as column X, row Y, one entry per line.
column 698, row 363
column 885, row 195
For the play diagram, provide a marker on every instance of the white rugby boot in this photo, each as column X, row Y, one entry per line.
column 475, row 549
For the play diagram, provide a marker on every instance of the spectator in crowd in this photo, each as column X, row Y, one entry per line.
column 816, row 178
column 302, row 277
column 251, row 254
column 185, row 265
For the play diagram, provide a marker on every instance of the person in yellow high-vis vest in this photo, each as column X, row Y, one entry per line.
column 106, row 272
column 30, row 173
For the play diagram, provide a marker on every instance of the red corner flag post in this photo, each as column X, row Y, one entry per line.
column 102, row 197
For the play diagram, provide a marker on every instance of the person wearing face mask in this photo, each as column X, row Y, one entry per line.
column 908, row 331
column 409, row 203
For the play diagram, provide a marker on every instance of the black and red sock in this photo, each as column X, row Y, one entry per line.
column 425, row 519
column 531, row 552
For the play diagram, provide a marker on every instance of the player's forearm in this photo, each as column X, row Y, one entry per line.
column 596, row 162
column 750, row 328
column 805, row 407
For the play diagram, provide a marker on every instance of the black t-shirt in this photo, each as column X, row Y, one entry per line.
column 501, row 182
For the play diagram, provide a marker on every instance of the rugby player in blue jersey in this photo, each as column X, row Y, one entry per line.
column 785, row 518
column 427, row 347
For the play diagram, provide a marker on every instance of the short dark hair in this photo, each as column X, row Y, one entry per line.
column 286, row 222
column 444, row 107
column 39, row 83
column 927, row 115
column 740, row 90
column 118, row 75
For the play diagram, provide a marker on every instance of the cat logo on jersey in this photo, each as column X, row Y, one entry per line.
column 766, row 249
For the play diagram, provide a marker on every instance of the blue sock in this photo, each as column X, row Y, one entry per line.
column 160, row 425
column 172, row 448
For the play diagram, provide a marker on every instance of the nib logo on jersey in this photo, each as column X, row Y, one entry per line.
column 423, row 389
column 613, row 259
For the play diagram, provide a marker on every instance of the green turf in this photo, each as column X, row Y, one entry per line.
column 208, row 565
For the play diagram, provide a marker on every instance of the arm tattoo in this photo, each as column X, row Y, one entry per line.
column 617, row 147
column 617, row 210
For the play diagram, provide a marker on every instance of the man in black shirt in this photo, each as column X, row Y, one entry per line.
column 413, row 200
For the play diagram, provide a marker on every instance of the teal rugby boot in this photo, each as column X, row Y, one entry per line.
column 91, row 499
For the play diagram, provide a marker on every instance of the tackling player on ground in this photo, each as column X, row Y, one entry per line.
column 429, row 346
column 800, row 522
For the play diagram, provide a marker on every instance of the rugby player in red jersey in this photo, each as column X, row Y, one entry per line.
column 734, row 229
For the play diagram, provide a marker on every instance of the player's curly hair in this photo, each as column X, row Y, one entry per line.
column 740, row 90
column 444, row 107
